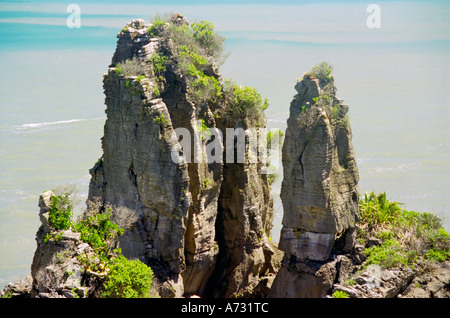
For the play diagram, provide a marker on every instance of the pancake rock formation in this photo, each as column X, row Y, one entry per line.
column 202, row 224
column 319, row 190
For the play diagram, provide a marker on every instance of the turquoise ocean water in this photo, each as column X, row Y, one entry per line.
column 394, row 78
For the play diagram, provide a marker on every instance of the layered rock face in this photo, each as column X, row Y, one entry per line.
column 319, row 190
column 201, row 224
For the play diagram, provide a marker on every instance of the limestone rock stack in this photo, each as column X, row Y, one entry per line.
column 319, row 190
column 201, row 224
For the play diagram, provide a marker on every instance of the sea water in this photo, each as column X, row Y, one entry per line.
column 394, row 79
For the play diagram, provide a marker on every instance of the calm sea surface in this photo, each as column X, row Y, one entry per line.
column 394, row 78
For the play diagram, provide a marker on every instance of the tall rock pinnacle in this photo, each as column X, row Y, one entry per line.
column 319, row 190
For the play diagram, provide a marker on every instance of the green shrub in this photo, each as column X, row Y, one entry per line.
column 209, row 40
column 190, row 69
column 128, row 279
column 244, row 102
column 204, row 88
column 206, row 182
column 440, row 245
column 159, row 62
column 157, row 27
column 47, row 237
column 190, row 62
column 98, row 230
column 440, row 237
column 248, row 98
column 389, row 254
column 430, row 221
column 162, row 120
column 193, row 45
column 322, row 72
column 335, row 110
column 130, row 67
column 101, row 234
column 156, row 91
column 140, row 78
column 340, row 294
column 420, row 233
column 181, row 35
column 386, row 235
column 199, row 37
column 437, row 255
column 376, row 210
column 60, row 212
column 8, row 294
column 424, row 223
